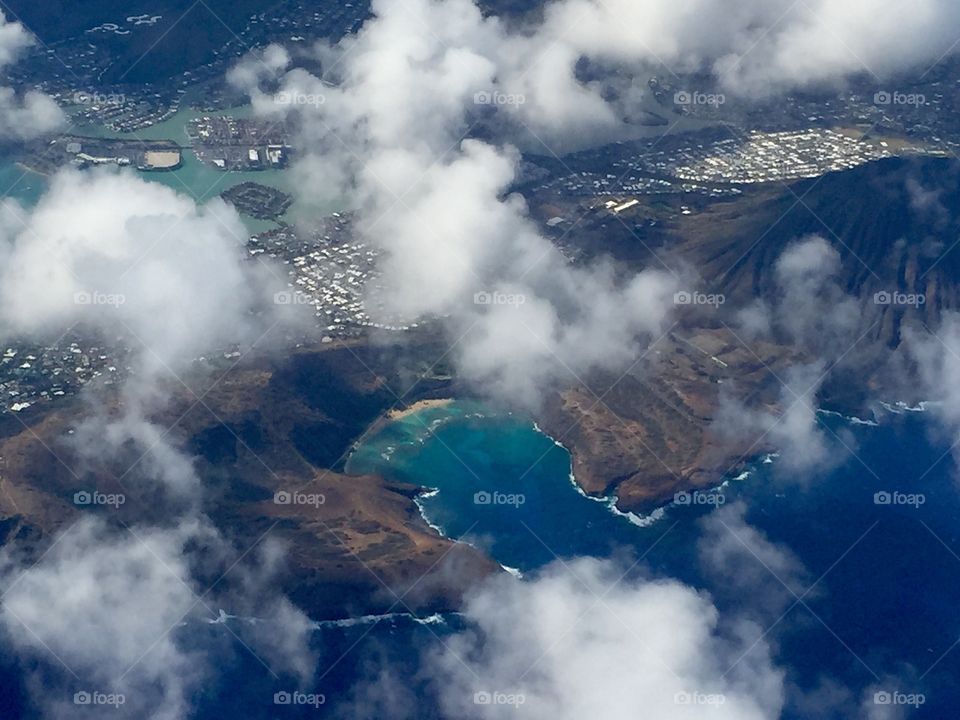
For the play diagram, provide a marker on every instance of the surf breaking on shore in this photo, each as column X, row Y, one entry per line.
column 400, row 413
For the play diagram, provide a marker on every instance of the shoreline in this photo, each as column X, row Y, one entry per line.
column 390, row 416
column 27, row 169
column 609, row 501
column 399, row 414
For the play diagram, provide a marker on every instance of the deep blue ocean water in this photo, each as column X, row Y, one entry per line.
column 888, row 606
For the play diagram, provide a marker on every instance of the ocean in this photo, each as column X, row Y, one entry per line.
column 879, row 536
column 884, row 574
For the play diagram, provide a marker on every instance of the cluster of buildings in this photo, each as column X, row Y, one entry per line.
column 713, row 162
column 329, row 270
column 134, row 112
column 587, row 182
column 230, row 143
column 71, row 71
column 767, row 157
column 632, row 181
column 32, row 374
column 334, row 273
column 923, row 109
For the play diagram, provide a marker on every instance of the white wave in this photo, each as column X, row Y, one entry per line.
column 647, row 520
column 852, row 419
column 556, row 442
column 435, row 619
column 418, row 501
column 222, row 618
column 657, row 514
column 899, row 407
column 513, row 571
column 609, row 501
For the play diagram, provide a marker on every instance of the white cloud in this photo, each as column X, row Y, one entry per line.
column 806, row 450
column 741, row 561
column 258, row 66
column 760, row 47
column 135, row 260
column 117, row 252
column 385, row 129
column 391, row 135
column 106, row 606
column 812, row 309
column 31, row 114
column 579, row 641
column 120, row 611
column 934, row 357
column 812, row 313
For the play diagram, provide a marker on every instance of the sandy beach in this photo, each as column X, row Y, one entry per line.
column 398, row 413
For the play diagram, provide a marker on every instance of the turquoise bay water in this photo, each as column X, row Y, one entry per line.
column 500, row 485
column 468, row 453
column 193, row 178
column 20, row 184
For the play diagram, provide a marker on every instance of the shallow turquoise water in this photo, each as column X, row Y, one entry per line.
column 504, row 486
column 193, row 178
column 21, row 185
